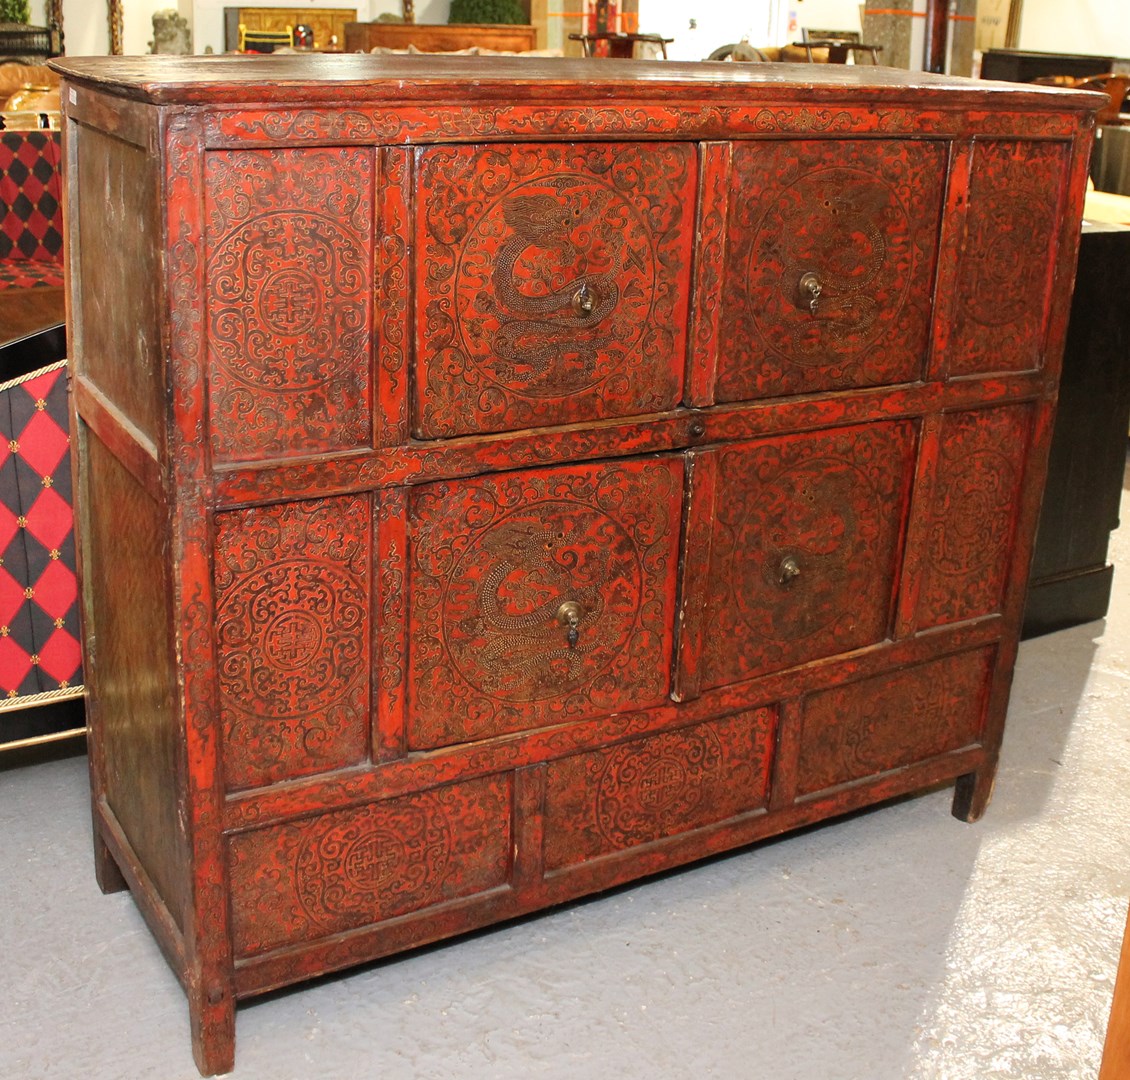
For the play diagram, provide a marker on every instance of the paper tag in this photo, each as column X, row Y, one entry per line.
column 72, row 96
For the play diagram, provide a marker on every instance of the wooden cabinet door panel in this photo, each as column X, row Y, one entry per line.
column 292, row 638
column 1008, row 257
column 858, row 222
column 968, row 552
column 803, row 543
column 496, row 561
column 859, row 730
column 303, row 880
column 554, row 283
column 637, row 792
column 289, row 300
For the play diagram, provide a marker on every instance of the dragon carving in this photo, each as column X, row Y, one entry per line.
column 531, row 642
column 538, row 333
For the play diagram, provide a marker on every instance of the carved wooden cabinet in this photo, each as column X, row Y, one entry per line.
column 502, row 480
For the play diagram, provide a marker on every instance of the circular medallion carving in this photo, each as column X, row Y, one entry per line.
column 502, row 601
column 290, row 301
column 850, row 229
column 370, row 861
column 288, row 297
column 554, row 286
column 1006, row 257
column 662, row 784
column 973, row 503
column 354, row 870
column 647, row 789
column 289, row 635
column 292, row 640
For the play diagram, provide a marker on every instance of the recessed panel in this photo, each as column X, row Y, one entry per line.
column 289, row 300
column 648, row 789
column 292, row 638
column 554, row 283
column 831, row 249
column 870, row 727
column 309, row 879
column 804, row 546
column 540, row 598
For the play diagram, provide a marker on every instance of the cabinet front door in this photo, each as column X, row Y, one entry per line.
column 793, row 550
column 541, row 597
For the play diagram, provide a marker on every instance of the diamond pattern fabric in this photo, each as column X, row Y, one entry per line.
column 30, row 198
column 39, row 634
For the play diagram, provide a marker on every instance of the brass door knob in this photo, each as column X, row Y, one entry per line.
column 584, row 301
column 810, row 289
column 570, row 614
column 788, row 571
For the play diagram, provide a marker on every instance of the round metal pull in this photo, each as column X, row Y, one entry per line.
column 583, row 300
column 570, row 614
column 810, row 289
column 788, row 571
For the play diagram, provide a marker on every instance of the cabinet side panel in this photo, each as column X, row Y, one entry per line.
column 125, row 552
column 115, row 324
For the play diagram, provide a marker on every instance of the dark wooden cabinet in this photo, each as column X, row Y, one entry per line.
column 538, row 476
column 1071, row 579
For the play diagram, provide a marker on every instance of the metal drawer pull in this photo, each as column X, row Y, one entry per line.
column 570, row 614
column 787, row 572
column 810, row 290
column 584, row 300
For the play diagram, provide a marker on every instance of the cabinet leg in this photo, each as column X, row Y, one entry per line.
column 972, row 793
column 212, row 1016
column 106, row 871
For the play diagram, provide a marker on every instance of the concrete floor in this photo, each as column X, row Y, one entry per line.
column 898, row 944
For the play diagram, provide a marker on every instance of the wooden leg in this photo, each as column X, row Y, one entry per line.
column 211, row 1009
column 972, row 793
column 106, row 871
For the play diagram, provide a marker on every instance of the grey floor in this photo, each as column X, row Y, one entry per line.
column 898, row 944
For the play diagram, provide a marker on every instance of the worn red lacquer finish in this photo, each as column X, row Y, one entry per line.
column 638, row 792
column 877, row 725
column 309, row 878
column 803, row 548
column 554, row 283
column 1008, row 256
column 967, row 551
column 829, row 271
column 289, row 300
column 292, row 638
column 541, row 597
column 546, row 474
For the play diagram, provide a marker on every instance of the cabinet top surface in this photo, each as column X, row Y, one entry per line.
column 296, row 79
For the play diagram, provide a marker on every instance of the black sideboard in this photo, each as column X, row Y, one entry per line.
column 1071, row 578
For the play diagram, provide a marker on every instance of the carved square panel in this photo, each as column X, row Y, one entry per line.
column 804, row 548
column 554, row 283
column 540, row 597
column 310, row 879
column 967, row 555
column 641, row 791
column 875, row 725
column 292, row 638
column 289, row 300
column 829, row 266
column 1007, row 257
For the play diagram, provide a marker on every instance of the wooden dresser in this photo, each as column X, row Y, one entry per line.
column 440, row 37
column 500, row 480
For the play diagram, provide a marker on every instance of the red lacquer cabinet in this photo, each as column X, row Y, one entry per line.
column 499, row 481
